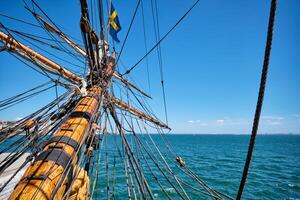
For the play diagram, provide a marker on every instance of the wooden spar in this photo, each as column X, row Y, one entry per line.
column 41, row 178
column 77, row 48
column 138, row 113
column 126, row 82
column 53, row 29
column 28, row 53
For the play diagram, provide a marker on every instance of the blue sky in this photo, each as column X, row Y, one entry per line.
column 212, row 62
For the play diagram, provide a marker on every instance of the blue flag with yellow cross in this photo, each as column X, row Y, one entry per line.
column 114, row 24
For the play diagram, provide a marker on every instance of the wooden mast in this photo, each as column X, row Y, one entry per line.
column 49, row 168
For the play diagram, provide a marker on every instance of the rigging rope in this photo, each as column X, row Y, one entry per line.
column 51, row 54
column 121, row 156
column 146, row 48
column 19, row 20
column 17, row 101
column 128, row 31
column 106, row 166
column 164, row 37
column 160, row 62
column 31, row 58
column 260, row 97
column 23, row 93
column 48, row 32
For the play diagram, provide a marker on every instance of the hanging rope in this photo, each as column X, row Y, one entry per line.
column 260, row 97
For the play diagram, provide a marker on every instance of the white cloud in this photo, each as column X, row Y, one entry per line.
column 194, row 121
column 270, row 117
column 197, row 123
column 220, row 121
column 272, row 120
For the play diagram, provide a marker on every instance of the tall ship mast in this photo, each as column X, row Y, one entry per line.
column 96, row 135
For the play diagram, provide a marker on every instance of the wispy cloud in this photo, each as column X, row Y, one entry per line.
column 220, row 122
column 198, row 121
column 270, row 117
column 226, row 121
column 272, row 120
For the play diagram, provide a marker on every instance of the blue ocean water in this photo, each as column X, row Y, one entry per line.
column 219, row 160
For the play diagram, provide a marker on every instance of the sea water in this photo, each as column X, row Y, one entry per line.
column 219, row 161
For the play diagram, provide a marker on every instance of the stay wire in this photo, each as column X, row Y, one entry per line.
column 146, row 47
column 17, row 101
column 23, row 93
column 106, row 167
column 48, row 32
column 122, row 156
column 162, row 39
column 55, row 56
column 33, row 37
column 19, row 20
column 30, row 57
column 159, row 54
column 189, row 172
column 141, row 151
column 128, row 31
column 155, row 161
column 130, row 155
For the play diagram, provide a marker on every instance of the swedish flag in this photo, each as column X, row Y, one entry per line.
column 114, row 24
